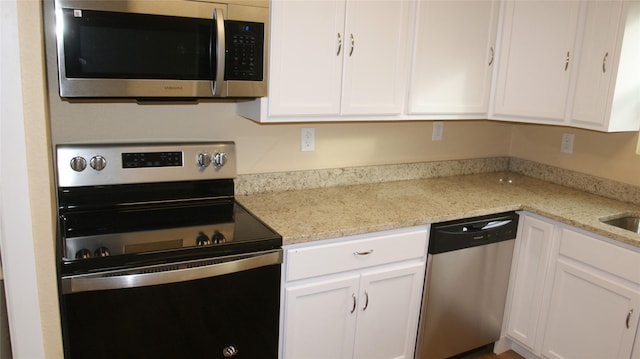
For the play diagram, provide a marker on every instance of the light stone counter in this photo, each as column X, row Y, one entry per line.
column 322, row 213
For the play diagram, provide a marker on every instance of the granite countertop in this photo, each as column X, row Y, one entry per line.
column 322, row 213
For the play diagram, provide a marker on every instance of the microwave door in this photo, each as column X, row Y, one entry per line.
column 218, row 45
column 117, row 54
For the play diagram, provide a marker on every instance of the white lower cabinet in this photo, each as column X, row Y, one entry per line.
column 318, row 323
column 356, row 297
column 590, row 315
column 532, row 253
column 584, row 303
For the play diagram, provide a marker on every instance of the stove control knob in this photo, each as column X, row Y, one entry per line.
column 218, row 237
column 78, row 164
column 202, row 240
column 203, row 160
column 219, row 159
column 83, row 254
column 98, row 162
column 229, row 351
column 101, row 252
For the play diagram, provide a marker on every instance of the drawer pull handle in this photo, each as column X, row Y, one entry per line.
column 604, row 63
column 355, row 303
column 566, row 63
column 629, row 317
column 339, row 44
column 357, row 253
column 366, row 300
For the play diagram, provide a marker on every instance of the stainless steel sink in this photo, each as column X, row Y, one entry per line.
column 628, row 222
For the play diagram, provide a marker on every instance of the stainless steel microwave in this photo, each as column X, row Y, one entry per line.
column 161, row 49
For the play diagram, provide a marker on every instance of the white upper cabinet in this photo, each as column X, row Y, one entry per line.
column 375, row 57
column 454, row 53
column 562, row 62
column 607, row 88
column 305, row 65
column 330, row 59
column 536, row 59
column 570, row 63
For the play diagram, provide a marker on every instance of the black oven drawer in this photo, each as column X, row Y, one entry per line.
column 231, row 315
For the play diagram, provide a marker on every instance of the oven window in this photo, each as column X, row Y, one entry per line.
column 195, row 319
column 100, row 44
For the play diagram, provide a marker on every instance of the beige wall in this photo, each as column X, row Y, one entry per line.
column 39, row 171
column 276, row 147
column 607, row 155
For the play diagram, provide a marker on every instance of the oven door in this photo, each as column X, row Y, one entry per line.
column 212, row 308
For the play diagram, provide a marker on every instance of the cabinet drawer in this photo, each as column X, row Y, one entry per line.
column 607, row 257
column 355, row 253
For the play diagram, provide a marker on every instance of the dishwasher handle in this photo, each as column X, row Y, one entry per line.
column 473, row 227
column 471, row 232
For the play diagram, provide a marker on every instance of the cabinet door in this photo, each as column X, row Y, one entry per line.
column 320, row 318
column 596, row 59
column 635, row 354
column 590, row 316
column 388, row 312
column 453, row 57
column 536, row 59
column 375, row 57
column 534, row 249
column 305, row 64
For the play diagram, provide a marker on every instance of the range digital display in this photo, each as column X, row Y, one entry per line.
column 151, row 159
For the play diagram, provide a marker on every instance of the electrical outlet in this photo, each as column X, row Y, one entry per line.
column 566, row 145
column 307, row 139
column 436, row 135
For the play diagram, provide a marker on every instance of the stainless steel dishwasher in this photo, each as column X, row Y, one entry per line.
column 465, row 284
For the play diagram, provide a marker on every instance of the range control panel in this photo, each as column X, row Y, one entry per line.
column 105, row 164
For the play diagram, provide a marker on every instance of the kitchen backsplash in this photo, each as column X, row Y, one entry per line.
column 297, row 180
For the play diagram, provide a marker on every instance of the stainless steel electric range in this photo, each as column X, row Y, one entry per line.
column 157, row 259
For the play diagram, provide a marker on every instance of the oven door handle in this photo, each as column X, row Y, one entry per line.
column 166, row 274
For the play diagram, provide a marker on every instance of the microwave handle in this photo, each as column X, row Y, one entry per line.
column 218, row 22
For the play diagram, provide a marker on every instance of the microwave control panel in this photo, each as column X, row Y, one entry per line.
column 244, row 50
